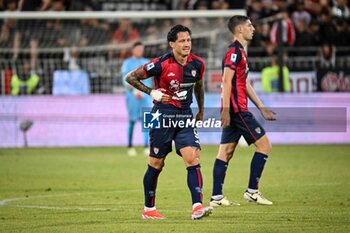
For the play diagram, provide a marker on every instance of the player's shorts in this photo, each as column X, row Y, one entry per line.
column 242, row 124
column 161, row 138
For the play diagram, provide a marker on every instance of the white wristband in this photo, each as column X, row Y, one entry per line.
column 156, row 95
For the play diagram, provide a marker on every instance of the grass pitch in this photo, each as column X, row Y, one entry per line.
column 100, row 190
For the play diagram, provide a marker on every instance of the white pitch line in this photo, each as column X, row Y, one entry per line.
column 62, row 208
column 6, row 201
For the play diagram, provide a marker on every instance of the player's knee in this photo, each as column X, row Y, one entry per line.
column 157, row 164
column 264, row 147
column 229, row 151
column 225, row 153
column 194, row 159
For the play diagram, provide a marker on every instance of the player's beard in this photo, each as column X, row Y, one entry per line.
column 185, row 54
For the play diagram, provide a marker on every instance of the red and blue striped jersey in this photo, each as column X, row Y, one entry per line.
column 236, row 59
column 178, row 80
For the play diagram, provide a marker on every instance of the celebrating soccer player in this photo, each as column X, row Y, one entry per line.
column 176, row 75
column 236, row 119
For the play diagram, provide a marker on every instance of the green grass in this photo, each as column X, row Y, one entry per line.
column 100, row 190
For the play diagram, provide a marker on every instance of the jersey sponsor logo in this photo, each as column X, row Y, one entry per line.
column 149, row 66
column 194, row 72
column 186, row 84
column 233, row 57
column 180, row 95
column 171, row 74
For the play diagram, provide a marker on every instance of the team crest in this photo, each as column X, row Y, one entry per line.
column 258, row 130
column 155, row 150
column 194, row 72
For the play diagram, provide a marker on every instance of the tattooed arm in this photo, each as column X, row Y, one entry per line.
column 199, row 94
column 134, row 77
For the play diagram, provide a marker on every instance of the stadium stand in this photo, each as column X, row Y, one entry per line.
column 98, row 45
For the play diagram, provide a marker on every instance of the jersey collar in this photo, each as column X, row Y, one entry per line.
column 189, row 59
column 236, row 42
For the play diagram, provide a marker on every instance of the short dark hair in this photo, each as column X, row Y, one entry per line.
column 137, row 43
column 236, row 20
column 172, row 34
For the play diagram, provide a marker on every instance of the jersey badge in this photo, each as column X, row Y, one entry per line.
column 194, row 72
column 233, row 57
column 258, row 130
column 149, row 66
column 155, row 150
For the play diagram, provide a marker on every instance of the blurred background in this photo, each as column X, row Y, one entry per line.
column 60, row 63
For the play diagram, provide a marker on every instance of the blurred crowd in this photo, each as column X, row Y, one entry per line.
column 305, row 23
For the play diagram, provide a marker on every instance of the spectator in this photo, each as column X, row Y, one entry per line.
column 315, row 7
column 93, row 31
column 327, row 56
column 125, row 34
column 303, row 36
column 2, row 5
column 151, row 33
column 288, row 31
column 70, row 58
column 255, row 10
column 301, row 15
column 220, row 5
column 262, row 39
column 314, row 28
column 340, row 9
column 327, row 29
column 57, row 33
column 24, row 83
column 270, row 77
column 201, row 23
column 9, row 31
column 26, row 28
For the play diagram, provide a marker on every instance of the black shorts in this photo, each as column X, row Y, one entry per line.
column 161, row 138
column 242, row 124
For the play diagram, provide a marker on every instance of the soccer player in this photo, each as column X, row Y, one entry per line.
column 135, row 99
column 236, row 119
column 176, row 74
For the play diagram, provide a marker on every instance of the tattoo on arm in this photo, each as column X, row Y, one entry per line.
column 199, row 94
column 134, row 77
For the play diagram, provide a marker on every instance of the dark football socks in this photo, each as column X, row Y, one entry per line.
column 256, row 169
column 150, row 184
column 219, row 173
column 195, row 183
